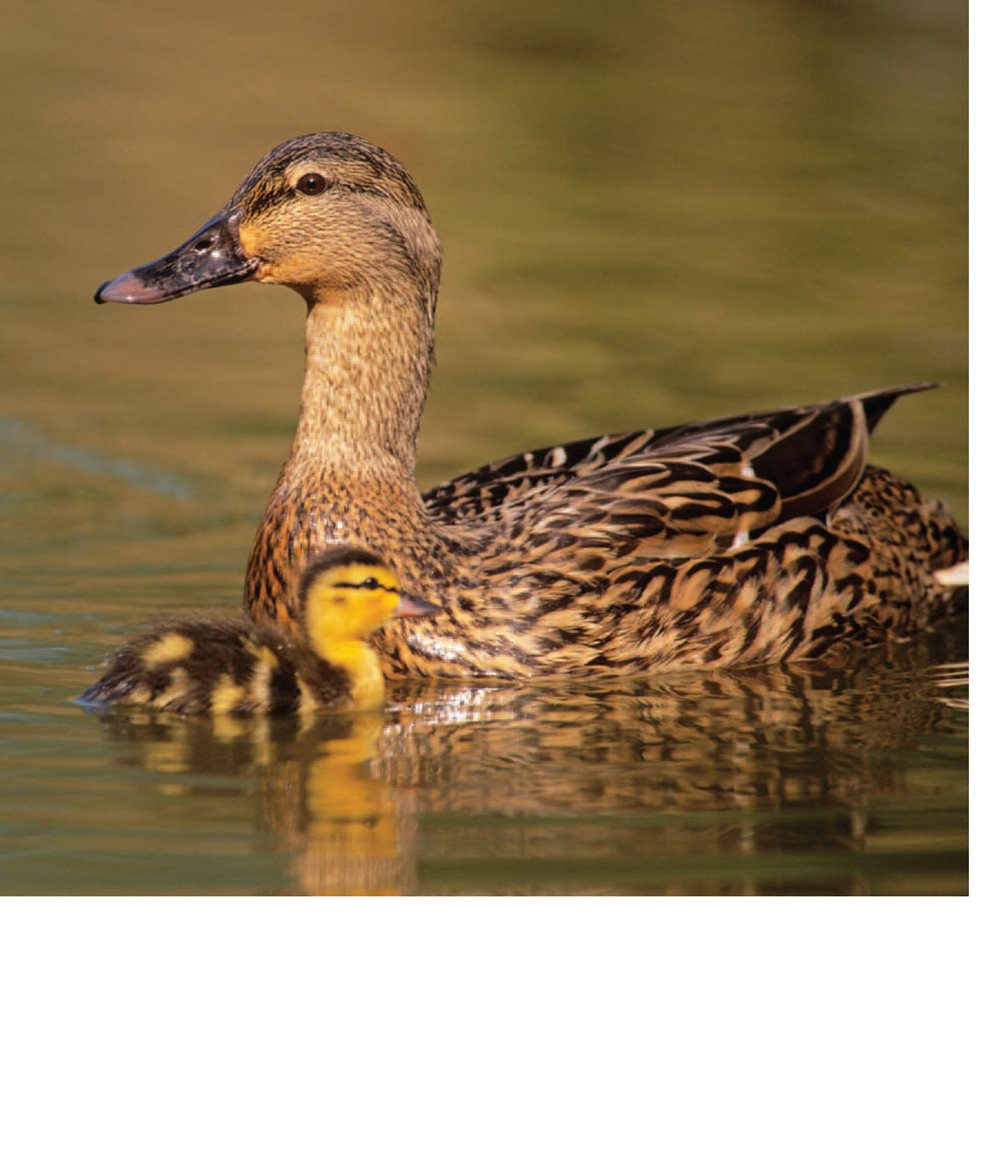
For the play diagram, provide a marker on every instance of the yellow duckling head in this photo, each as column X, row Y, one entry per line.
column 324, row 214
column 345, row 595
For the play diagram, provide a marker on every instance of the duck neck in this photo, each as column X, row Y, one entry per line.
column 358, row 660
column 368, row 362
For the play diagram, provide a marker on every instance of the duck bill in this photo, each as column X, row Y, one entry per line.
column 413, row 606
column 211, row 258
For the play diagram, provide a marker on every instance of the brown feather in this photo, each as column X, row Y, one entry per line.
column 760, row 537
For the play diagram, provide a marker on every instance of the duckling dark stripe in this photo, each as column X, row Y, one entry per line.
column 368, row 585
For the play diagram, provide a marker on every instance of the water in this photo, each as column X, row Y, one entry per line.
column 672, row 213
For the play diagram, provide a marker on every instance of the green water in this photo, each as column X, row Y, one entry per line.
column 675, row 211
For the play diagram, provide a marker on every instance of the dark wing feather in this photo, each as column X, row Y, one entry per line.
column 684, row 490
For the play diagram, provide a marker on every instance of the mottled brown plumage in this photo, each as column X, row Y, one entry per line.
column 760, row 537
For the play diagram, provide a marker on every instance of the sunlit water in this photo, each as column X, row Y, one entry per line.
column 780, row 780
column 669, row 213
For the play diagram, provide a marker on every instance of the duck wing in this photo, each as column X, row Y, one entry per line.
column 684, row 490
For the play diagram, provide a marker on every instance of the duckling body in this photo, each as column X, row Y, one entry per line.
column 199, row 663
column 753, row 538
column 215, row 664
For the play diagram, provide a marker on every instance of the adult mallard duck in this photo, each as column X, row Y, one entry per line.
column 760, row 537
column 236, row 666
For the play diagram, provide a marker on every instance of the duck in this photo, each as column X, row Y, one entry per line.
column 742, row 540
column 228, row 666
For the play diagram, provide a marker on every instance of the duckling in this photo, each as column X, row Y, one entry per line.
column 234, row 666
column 755, row 538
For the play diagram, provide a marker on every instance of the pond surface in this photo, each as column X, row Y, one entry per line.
column 673, row 212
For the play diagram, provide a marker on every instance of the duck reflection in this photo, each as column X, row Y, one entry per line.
column 714, row 782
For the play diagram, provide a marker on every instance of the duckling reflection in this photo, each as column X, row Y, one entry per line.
column 352, row 839
column 712, row 782
column 316, row 800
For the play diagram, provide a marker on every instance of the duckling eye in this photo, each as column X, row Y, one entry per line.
column 312, row 184
column 370, row 583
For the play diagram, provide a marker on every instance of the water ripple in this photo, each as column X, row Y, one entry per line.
column 26, row 439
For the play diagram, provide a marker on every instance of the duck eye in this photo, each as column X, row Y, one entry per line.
column 370, row 583
column 312, row 184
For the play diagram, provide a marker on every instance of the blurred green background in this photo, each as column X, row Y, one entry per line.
column 649, row 215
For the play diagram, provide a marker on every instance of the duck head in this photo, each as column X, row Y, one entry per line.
column 346, row 594
column 326, row 214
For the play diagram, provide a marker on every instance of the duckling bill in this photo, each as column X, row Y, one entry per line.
column 235, row 666
column 750, row 539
